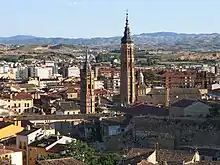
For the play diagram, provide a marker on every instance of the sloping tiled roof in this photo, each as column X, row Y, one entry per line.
column 171, row 156
column 157, row 96
column 62, row 161
column 4, row 149
column 22, row 96
column 206, row 163
column 183, row 103
column 26, row 132
column 136, row 151
column 174, row 156
column 144, row 109
column 69, row 105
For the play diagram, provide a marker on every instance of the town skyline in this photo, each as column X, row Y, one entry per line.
column 81, row 19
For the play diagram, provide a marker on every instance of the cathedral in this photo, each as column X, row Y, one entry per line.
column 127, row 80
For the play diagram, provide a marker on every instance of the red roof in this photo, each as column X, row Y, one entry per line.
column 22, row 96
column 6, row 150
column 101, row 91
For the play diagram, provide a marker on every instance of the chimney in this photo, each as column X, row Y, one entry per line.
column 28, row 127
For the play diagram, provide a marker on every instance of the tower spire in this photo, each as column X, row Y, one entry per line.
column 127, row 18
column 86, row 55
column 86, row 64
column 127, row 36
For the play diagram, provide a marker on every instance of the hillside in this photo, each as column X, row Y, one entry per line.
column 165, row 40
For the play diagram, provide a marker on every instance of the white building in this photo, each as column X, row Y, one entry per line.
column 44, row 72
column 30, row 135
column 11, row 155
column 73, row 71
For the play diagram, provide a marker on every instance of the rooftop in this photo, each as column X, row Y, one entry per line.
column 69, row 105
column 44, row 142
column 26, row 132
column 144, row 109
column 183, row 103
column 6, row 150
column 22, row 96
column 61, row 161
column 4, row 124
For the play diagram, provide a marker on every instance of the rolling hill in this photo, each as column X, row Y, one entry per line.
column 168, row 40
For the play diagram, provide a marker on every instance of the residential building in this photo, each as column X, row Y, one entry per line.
column 10, row 155
column 186, row 107
column 141, row 156
column 18, row 102
column 46, row 146
column 71, row 93
column 28, row 136
column 8, row 130
column 66, row 161
column 67, row 108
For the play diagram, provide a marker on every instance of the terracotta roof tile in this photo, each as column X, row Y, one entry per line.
column 62, row 161
column 22, row 96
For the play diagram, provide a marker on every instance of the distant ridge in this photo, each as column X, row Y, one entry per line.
column 158, row 39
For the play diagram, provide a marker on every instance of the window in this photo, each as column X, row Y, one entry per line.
column 24, row 104
column 20, row 145
column 27, row 104
column 8, row 106
column 14, row 104
column 19, row 110
column 19, row 105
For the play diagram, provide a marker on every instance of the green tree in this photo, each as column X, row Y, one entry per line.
column 214, row 111
column 82, row 152
column 108, row 159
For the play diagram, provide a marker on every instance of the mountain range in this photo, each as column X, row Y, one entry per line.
column 166, row 40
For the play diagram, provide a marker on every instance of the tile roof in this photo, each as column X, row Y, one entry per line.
column 58, row 148
column 170, row 156
column 101, row 92
column 69, row 105
column 144, row 109
column 22, row 96
column 157, row 96
column 62, row 161
column 183, row 103
column 136, row 151
column 26, row 132
column 115, row 121
column 174, row 155
column 6, row 150
column 137, row 158
column 206, row 163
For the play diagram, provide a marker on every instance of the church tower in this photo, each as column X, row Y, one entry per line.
column 87, row 97
column 127, row 82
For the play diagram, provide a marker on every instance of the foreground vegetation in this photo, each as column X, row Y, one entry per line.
column 82, row 152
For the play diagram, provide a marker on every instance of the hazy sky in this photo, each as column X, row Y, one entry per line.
column 103, row 18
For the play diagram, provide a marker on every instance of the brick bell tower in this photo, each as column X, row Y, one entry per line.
column 87, row 97
column 127, row 82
